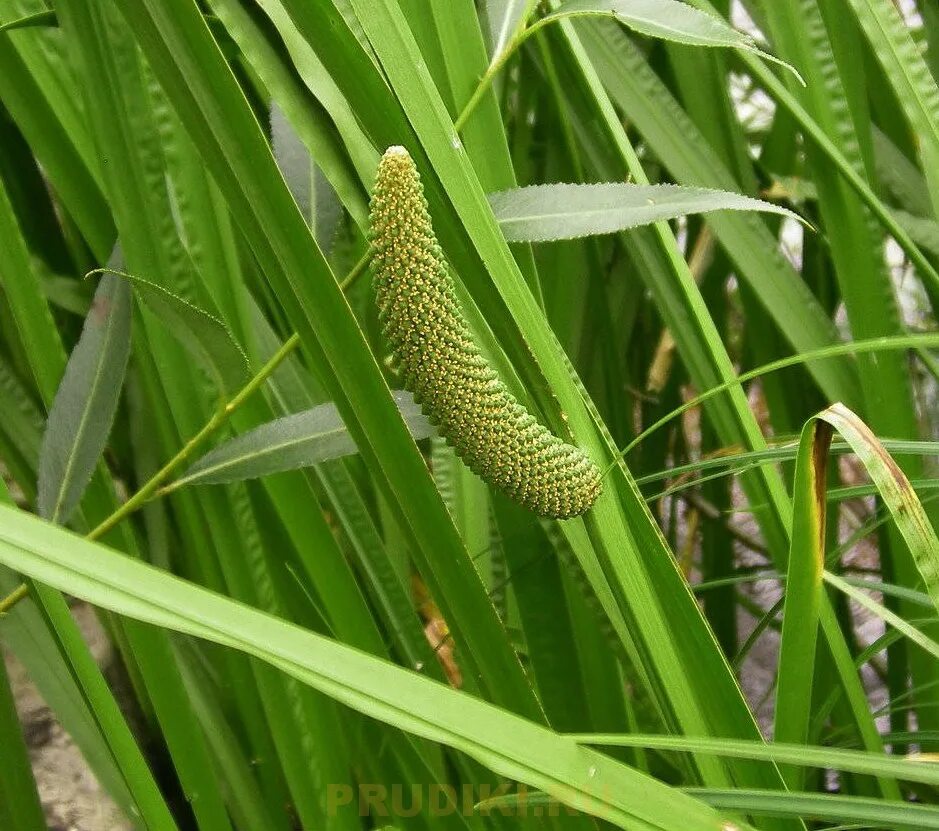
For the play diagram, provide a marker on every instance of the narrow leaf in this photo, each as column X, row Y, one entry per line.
column 568, row 211
column 885, row 813
column 913, row 769
column 803, row 590
column 19, row 802
column 43, row 18
column 85, row 403
column 908, row 73
column 209, row 340
column 511, row 746
column 669, row 20
column 896, row 491
column 289, row 443
column 889, row 617
column 872, row 813
column 293, row 159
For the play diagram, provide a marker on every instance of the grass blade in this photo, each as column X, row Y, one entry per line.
column 213, row 109
column 897, row 493
column 20, row 808
column 871, row 812
column 803, row 590
column 634, row 87
column 911, row 769
column 46, row 18
column 883, row 612
column 506, row 743
column 910, row 76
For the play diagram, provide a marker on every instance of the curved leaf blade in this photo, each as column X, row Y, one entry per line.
column 896, row 491
column 670, row 20
column 19, row 805
column 85, row 402
column 208, row 338
column 886, row 813
column 506, row 743
column 912, row 768
column 289, row 443
column 873, row 813
column 886, row 615
column 568, row 211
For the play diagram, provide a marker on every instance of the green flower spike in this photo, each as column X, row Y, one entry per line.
column 442, row 366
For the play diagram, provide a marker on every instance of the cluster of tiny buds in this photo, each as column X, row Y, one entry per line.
column 441, row 364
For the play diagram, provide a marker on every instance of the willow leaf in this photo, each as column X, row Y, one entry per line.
column 208, row 338
column 669, row 20
column 569, row 211
column 85, row 403
column 289, row 443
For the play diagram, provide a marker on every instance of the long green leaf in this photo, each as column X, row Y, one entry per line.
column 868, row 812
column 854, row 761
column 667, row 19
column 898, row 495
column 312, row 125
column 113, row 84
column 872, row 812
column 20, row 809
column 803, row 590
column 564, row 211
column 46, row 18
column 617, row 538
column 684, row 151
column 506, row 743
column 213, row 109
column 883, row 612
column 910, row 77
column 289, row 443
column 21, row 425
column 43, row 633
column 85, row 403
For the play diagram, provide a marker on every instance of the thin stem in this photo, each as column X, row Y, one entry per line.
column 13, row 598
column 357, row 270
column 483, row 85
column 152, row 486
column 213, row 424
column 500, row 61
